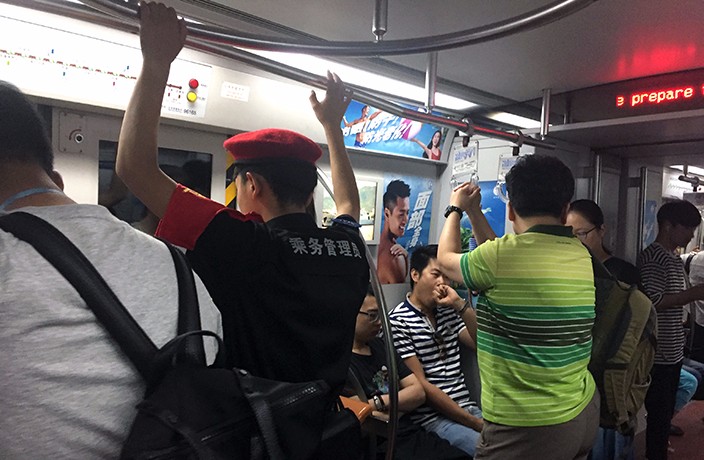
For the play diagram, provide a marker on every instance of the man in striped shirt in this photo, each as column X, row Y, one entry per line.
column 534, row 316
column 428, row 328
column 662, row 278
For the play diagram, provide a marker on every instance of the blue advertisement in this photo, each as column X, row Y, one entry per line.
column 405, row 224
column 367, row 128
column 493, row 208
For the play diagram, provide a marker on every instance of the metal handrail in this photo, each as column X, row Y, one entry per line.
column 388, row 337
column 376, row 99
column 523, row 22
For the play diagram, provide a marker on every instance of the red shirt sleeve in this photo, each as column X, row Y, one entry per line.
column 189, row 213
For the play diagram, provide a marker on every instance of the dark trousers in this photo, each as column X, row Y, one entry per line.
column 660, row 404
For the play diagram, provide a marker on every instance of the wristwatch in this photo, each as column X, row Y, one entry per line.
column 452, row 208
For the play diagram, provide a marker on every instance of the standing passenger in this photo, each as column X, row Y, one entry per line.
column 663, row 280
column 587, row 222
column 535, row 314
column 289, row 292
column 66, row 388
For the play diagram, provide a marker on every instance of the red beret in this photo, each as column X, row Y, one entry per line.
column 272, row 145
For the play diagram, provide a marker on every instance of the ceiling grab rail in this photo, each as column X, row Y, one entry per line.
column 360, row 94
column 520, row 23
column 388, row 337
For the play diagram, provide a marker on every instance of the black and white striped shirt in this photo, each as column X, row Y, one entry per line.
column 437, row 349
column 662, row 273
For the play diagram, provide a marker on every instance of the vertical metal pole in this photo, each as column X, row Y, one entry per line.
column 381, row 14
column 641, row 207
column 545, row 114
column 431, row 80
column 596, row 193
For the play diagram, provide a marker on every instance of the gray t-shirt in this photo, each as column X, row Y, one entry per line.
column 66, row 391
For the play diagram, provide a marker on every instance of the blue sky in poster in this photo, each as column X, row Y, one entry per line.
column 493, row 208
column 421, row 200
column 384, row 132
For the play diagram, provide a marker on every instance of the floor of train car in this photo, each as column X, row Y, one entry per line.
column 690, row 446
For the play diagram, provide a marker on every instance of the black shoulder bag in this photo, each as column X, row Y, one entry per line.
column 190, row 410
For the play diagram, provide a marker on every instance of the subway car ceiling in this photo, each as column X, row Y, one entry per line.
column 604, row 48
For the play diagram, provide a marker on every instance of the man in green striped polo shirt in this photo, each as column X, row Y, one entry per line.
column 534, row 316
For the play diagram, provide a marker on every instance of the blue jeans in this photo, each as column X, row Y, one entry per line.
column 458, row 435
column 612, row 445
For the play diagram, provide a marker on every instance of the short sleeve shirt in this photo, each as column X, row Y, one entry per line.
column 438, row 350
column 372, row 370
column 662, row 273
column 288, row 291
column 534, row 319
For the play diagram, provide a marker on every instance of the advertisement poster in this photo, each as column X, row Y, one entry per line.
column 367, row 128
column 405, row 224
column 494, row 210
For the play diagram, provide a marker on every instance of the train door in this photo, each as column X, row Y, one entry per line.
column 85, row 145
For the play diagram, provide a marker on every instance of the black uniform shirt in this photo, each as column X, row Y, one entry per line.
column 288, row 291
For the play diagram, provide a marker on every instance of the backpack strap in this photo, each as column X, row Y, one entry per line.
column 68, row 260
column 688, row 262
column 188, row 308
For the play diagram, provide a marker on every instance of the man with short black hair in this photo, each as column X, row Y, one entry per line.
column 67, row 390
column 392, row 258
column 534, row 315
column 289, row 292
column 427, row 330
column 663, row 279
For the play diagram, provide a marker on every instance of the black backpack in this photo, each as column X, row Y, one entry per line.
column 192, row 410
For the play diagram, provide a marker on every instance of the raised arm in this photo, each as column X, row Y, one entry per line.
column 329, row 112
column 425, row 148
column 162, row 36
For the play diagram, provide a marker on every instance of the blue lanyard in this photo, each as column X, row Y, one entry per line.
column 25, row 194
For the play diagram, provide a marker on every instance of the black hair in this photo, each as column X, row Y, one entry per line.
column 679, row 212
column 589, row 210
column 396, row 189
column 539, row 185
column 370, row 290
column 291, row 181
column 421, row 257
column 23, row 134
column 430, row 144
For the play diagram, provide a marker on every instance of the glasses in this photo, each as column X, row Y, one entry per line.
column 372, row 316
column 440, row 342
column 583, row 235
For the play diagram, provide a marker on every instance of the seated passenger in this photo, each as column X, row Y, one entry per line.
column 427, row 329
column 369, row 366
column 535, row 314
column 269, row 268
column 67, row 390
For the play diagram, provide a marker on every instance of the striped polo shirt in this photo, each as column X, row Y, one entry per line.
column 662, row 272
column 534, row 314
column 436, row 348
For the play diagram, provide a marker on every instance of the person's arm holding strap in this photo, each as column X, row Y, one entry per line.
column 330, row 112
column 162, row 36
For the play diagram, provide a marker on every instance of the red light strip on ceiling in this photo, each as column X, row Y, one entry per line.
column 657, row 97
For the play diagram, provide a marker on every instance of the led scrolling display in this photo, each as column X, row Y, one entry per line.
column 654, row 98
